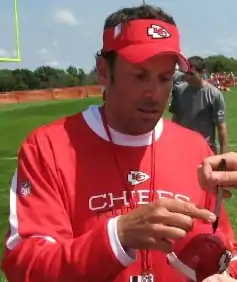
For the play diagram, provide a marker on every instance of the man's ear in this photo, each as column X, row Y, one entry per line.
column 102, row 71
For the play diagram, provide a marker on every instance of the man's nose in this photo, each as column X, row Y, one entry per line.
column 153, row 89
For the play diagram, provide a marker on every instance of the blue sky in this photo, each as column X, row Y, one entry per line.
column 64, row 32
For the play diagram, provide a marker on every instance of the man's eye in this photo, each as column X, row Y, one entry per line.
column 140, row 75
column 165, row 78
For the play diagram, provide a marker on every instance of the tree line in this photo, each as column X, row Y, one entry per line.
column 45, row 77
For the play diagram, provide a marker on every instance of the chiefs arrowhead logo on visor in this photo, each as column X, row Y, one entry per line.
column 157, row 32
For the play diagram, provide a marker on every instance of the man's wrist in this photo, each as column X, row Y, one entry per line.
column 120, row 233
column 123, row 254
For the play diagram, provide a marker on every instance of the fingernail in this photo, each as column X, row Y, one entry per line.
column 212, row 218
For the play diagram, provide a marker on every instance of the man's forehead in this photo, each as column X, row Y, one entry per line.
column 163, row 58
column 157, row 69
column 164, row 64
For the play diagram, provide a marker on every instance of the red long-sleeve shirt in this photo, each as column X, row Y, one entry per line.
column 67, row 192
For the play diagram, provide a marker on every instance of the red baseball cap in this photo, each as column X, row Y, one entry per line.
column 201, row 253
column 139, row 40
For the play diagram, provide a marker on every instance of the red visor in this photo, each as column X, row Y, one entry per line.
column 201, row 253
column 139, row 40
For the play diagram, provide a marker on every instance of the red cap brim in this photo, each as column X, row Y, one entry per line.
column 139, row 53
column 201, row 253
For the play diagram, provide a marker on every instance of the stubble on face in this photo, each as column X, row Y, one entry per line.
column 138, row 96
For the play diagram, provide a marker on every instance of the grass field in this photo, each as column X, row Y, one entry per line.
column 17, row 120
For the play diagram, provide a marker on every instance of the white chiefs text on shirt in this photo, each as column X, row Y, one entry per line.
column 109, row 200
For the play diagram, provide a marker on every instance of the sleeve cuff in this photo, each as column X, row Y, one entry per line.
column 234, row 258
column 125, row 258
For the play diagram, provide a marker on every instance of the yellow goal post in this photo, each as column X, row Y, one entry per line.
column 17, row 58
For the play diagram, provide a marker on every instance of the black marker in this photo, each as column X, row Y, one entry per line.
column 219, row 197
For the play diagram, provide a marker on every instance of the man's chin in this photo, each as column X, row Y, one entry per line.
column 148, row 124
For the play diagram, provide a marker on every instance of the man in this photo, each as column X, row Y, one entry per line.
column 200, row 106
column 178, row 78
column 205, row 74
column 209, row 177
column 101, row 195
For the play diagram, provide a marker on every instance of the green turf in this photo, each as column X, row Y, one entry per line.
column 17, row 120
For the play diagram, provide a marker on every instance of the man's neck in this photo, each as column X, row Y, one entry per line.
column 116, row 124
column 111, row 119
column 92, row 117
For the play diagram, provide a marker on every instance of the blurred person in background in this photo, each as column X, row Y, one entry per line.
column 200, row 106
column 178, row 76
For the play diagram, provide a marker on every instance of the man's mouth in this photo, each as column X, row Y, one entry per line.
column 148, row 110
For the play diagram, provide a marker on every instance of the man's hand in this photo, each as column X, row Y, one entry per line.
column 219, row 278
column 155, row 225
column 210, row 178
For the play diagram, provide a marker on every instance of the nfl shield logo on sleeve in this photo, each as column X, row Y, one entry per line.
column 25, row 188
column 142, row 278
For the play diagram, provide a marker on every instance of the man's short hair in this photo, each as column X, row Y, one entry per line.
column 128, row 14
column 137, row 13
column 197, row 63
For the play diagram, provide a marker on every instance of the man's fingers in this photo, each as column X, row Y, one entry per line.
column 177, row 220
column 168, row 232
column 189, row 209
column 163, row 245
column 209, row 180
column 225, row 178
column 214, row 161
column 205, row 178
column 209, row 177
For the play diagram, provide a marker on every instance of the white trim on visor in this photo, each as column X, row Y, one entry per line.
column 186, row 270
column 191, row 273
column 183, row 63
